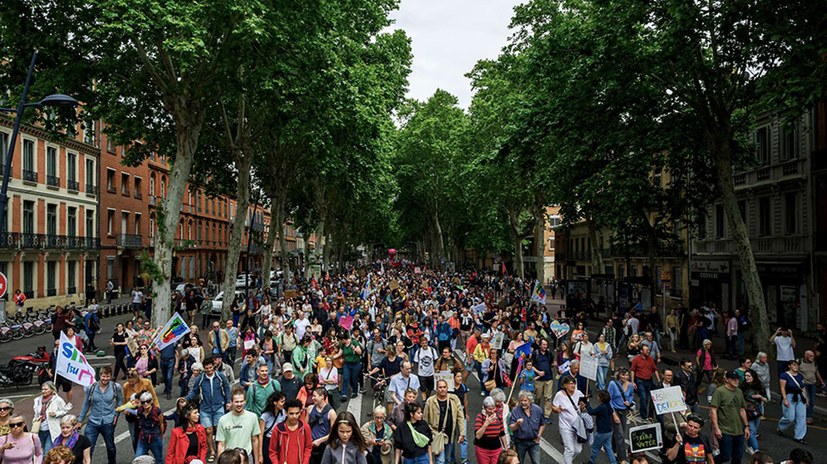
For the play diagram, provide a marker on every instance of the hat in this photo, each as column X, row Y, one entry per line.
column 732, row 375
column 485, row 335
column 287, row 367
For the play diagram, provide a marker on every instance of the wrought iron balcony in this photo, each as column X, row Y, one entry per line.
column 29, row 176
column 73, row 185
column 26, row 241
column 53, row 181
column 129, row 241
column 92, row 189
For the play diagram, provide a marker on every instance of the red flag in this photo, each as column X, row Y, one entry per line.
column 504, row 272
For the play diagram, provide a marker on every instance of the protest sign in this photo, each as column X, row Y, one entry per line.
column 291, row 294
column 645, row 438
column 479, row 309
column 72, row 365
column 497, row 341
column 346, row 322
column 447, row 376
column 559, row 329
column 174, row 329
column 668, row 400
column 588, row 367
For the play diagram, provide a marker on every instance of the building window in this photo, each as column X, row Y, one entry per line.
column 110, row 218
column 72, row 167
column 110, row 268
column 790, row 213
column 137, row 223
column 677, row 282
column 720, row 224
column 151, row 225
column 90, row 173
column 152, row 184
column 51, row 219
column 90, row 223
column 51, row 278
column 163, row 186
column 789, row 142
column 189, row 231
column 4, row 146
column 28, row 217
column 125, row 184
column 762, row 145
column 71, row 277
column 28, row 278
column 764, row 217
column 51, row 161
column 138, row 187
column 89, row 136
column 124, row 223
column 71, row 221
column 109, row 147
column 28, row 155
column 110, row 180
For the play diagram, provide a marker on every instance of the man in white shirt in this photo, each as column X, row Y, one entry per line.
column 301, row 324
column 633, row 323
column 567, row 404
column 785, row 348
column 425, row 358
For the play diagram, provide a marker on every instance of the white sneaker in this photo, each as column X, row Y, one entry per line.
column 750, row 450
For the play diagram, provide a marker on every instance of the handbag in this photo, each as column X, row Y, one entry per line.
column 490, row 384
column 439, row 437
column 753, row 411
column 36, row 425
column 581, row 432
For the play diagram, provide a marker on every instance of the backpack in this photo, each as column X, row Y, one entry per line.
column 221, row 379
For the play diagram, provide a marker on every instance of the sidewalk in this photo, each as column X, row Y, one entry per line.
column 802, row 344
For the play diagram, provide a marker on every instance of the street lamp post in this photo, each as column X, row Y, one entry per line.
column 51, row 100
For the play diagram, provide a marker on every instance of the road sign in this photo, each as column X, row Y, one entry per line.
column 4, row 285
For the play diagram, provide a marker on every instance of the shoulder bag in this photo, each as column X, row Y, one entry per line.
column 439, row 437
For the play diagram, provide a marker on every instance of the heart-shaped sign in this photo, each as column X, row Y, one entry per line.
column 347, row 322
column 559, row 329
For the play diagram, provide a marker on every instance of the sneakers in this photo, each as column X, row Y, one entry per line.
column 800, row 441
column 750, row 450
column 779, row 433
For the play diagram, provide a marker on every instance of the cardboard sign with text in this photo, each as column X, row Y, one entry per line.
column 645, row 438
column 588, row 367
column 668, row 400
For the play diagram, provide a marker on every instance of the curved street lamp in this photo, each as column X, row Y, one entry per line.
column 54, row 100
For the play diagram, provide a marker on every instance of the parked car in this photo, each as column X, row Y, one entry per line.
column 242, row 281
column 218, row 301
column 184, row 288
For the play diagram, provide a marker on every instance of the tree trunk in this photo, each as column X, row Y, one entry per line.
column 439, row 243
column 539, row 241
column 514, row 221
column 267, row 260
column 188, row 124
column 740, row 234
column 243, row 162
column 597, row 252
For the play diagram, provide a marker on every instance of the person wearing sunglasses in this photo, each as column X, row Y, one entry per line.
column 6, row 410
column 20, row 446
column 150, row 427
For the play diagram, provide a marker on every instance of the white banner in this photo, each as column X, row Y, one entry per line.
column 174, row 329
column 72, row 365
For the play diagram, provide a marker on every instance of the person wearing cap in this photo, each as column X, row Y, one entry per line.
column 729, row 419
column 289, row 382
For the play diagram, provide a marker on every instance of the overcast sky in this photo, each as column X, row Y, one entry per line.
column 448, row 38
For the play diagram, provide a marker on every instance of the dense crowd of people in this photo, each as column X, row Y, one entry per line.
column 421, row 342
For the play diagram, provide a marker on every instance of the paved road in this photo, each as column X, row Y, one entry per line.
column 777, row 446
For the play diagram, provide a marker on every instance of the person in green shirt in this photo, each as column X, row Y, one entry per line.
column 729, row 419
column 238, row 428
column 260, row 390
column 303, row 358
column 351, row 352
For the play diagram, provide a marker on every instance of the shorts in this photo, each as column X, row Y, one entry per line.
column 426, row 384
column 63, row 384
column 210, row 418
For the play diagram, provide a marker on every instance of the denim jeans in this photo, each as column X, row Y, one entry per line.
column 108, row 432
column 619, row 436
column 351, row 378
column 732, row 449
column 463, row 447
column 530, row 447
column 230, row 354
column 45, row 438
column 796, row 412
column 446, row 456
column 155, row 446
column 602, row 373
column 811, row 394
column 602, row 440
column 167, row 373
column 422, row 459
column 753, row 431
column 643, row 389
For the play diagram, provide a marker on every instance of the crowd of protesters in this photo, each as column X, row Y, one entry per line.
column 421, row 342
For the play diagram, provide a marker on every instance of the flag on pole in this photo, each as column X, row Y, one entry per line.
column 539, row 293
column 174, row 329
column 502, row 267
column 366, row 290
column 72, row 365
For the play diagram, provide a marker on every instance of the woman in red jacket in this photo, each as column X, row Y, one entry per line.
column 188, row 439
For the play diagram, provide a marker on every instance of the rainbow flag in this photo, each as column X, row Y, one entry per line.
column 539, row 293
